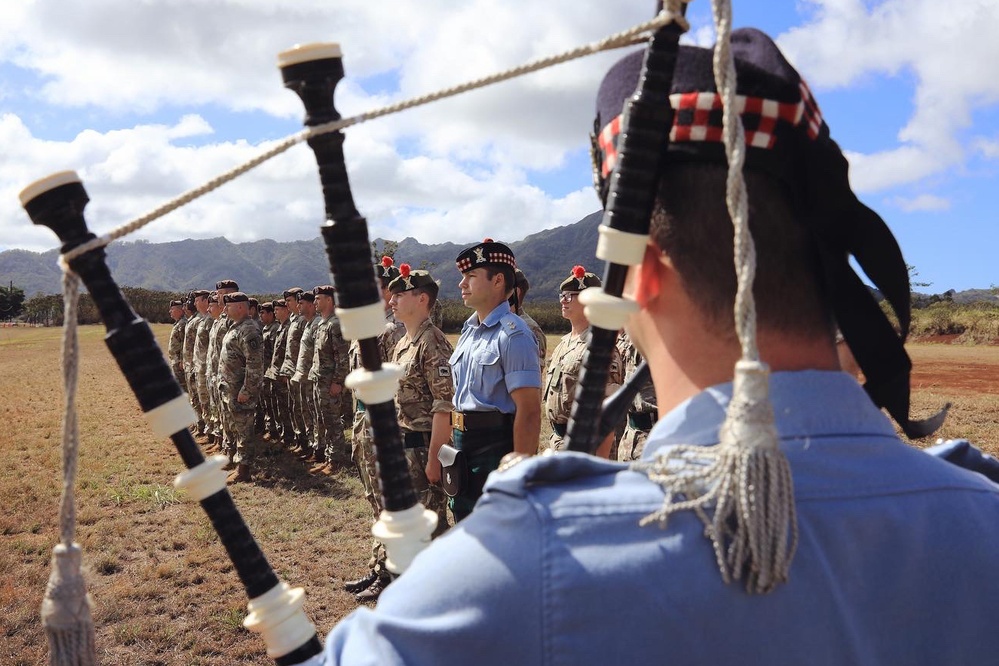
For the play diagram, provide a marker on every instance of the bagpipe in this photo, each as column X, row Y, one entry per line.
column 275, row 608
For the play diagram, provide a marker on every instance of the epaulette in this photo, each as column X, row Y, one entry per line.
column 509, row 323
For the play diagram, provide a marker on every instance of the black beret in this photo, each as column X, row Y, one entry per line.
column 200, row 293
column 307, row 296
column 279, row 303
column 267, row 306
column 293, row 292
column 254, row 303
column 387, row 271
column 226, row 284
column 177, row 304
column 236, row 297
column 324, row 289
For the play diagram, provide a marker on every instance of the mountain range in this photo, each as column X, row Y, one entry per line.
column 268, row 267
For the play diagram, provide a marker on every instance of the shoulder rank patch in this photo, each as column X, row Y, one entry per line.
column 443, row 371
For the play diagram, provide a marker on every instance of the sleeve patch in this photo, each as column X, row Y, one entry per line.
column 444, row 371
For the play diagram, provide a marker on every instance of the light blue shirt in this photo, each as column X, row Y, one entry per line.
column 493, row 359
column 896, row 562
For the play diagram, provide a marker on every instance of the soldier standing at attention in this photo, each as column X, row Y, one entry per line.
column 567, row 358
column 517, row 305
column 279, row 389
column 255, row 314
column 329, row 370
column 215, row 337
column 200, row 368
column 293, row 339
column 643, row 413
column 362, row 450
column 300, row 386
column 241, row 372
column 496, row 372
column 265, row 418
column 199, row 299
column 175, row 351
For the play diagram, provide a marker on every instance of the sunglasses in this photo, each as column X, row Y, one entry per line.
column 567, row 296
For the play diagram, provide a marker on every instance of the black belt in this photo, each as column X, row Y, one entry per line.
column 642, row 420
column 559, row 428
column 412, row 439
column 465, row 421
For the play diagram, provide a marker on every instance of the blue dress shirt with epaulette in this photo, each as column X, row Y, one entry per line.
column 491, row 360
column 896, row 563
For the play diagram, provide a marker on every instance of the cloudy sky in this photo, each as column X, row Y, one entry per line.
column 148, row 99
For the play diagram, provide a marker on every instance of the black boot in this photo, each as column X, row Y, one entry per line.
column 363, row 583
column 375, row 589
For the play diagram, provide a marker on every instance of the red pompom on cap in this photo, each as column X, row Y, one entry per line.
column 387, row 261
column 487, row 240
column 578, row 271
column 404, row 270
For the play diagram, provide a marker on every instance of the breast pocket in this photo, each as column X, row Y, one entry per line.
column 486, row 371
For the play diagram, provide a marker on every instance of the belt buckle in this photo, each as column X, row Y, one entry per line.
column 458, row 421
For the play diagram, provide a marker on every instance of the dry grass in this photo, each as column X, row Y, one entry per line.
column 164, row 590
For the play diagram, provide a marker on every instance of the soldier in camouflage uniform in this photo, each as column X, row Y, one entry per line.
column 643, row 412
column 517, row 305
column 199, row 299
column 279, row 390
column 175, row 350
column 362, row 446
column 293, row 340
column 328, row 373
column 362, row 450
column 563, row 368
column 200, row 367
column 241, row 370
column 300, row 385
column 265, row 418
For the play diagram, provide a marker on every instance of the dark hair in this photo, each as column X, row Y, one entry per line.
column 691, row 225
column 509, row 279
column 431, row 290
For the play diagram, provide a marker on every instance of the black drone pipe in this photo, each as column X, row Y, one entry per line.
column 57, row 203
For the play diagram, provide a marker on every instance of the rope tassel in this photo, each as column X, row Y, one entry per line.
column 66, row 614
column 740, row 488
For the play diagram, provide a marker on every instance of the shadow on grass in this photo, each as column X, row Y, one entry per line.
column 279, row 468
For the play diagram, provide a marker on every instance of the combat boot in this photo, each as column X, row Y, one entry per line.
column 241, row 474
column 361, row 584
column 375, row 589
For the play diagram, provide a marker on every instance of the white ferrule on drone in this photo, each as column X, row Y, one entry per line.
column 203, row 480
column 604, row 311
column 374, row 387
column 404, row 533
column 361, row 323
column 278, row 617
column 171, row 417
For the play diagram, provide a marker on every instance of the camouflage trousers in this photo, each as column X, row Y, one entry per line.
column 192, row 393
column 178, row 372
column 632, row 444
column 238, row 424
column 295, row 409
column 303, row 403
column 430, row 495
column 329, row 424
column 215, row 407
column 267, row 407
column 362, row 453
column 282, row 410
column 205, row 400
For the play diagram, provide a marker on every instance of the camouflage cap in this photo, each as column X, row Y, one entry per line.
column 579, row 280
column 226, row 284
column 409, row 279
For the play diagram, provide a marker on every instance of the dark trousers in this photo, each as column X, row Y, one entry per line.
column 484, row 449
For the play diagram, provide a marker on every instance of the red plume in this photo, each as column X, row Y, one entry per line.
column 404, row 270
column 487, row 240
column 387, row 261
column 578, row 271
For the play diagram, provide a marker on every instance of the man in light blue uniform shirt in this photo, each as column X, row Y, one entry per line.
column 896, row 549
column 496, row 372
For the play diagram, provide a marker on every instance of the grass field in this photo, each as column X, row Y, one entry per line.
column 163, row 587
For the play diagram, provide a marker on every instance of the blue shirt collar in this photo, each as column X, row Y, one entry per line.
column 846, row 407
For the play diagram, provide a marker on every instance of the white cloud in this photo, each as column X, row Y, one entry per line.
column 948, row 48
column 922, row 202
